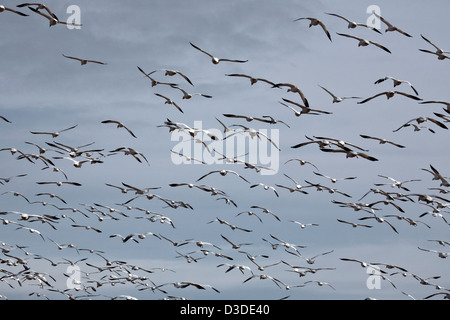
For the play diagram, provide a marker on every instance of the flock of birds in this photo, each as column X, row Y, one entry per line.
column 23, row 269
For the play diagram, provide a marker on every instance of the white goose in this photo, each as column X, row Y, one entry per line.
column 352, row 24
column 337, row 99
column 390, row 27
column 364, row 42
column 316, row 22
column 214, row 59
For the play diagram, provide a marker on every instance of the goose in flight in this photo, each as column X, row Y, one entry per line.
column 444, row 181
column 420, row 120
column 233, row 227
column 250, row 213
column 76, row 163
column 3, row 8
column 353, row 224
column 253, row 80
column 337, row 99
column 390, row 27
column 380, row 220
column 395, row 183
column 234, row 245
column 87, row 227
column 320, row 283
column 363, row 264
column 169, row 72
column 214, row 59
column 8, row 179
column 397, row 82
column 253, row 133
column 54, row 134
column 440, row 254
column 411, row 222
column 302, row 162
column 287, row 245
column 440, row 56
column 223, row 173
column 187, row 95
column 188, row 158
column 132, row 235
column 265, row 210
column 266, row 187
column 390, row 94
column 169, row 101
column 447, row 104
column 132, row 152
column 60, row 183
column 14, row 151
column 441, row 242
column 351, row 153
column 439, row 52
column 352, row 24
column 316, row 22
column 269, row 119
column 364, row 42
column 155, row 82
column 381, row 140
column 320, row 187
column 293, row 88
column 297, row 186
column 303, row 225
column 51, row 195
column 304, row 109
column 333, row 180
column 340, row 143
column 119, row 125
column 52, row 19
column 84, row 61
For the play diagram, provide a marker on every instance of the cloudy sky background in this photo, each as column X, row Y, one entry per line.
column 43, row 91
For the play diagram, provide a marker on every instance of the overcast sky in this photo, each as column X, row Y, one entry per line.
column 42, row 90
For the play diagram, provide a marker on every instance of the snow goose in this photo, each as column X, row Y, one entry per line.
column 316, row 22
column 187, row 95
column 397, row 82
column 439, row 52
column 390, row 94
column 420, row 120
column 253, row 80
column 84, row 61
column 169, row 101
column 364, row 42
column 54, row 134
column 223, row 173
column 354, row 225
column 119, row 125
column 214, row 59
column 381, row 140
column 352, row 24
column 390, row 27
column 171, row 73
column 337, row 99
